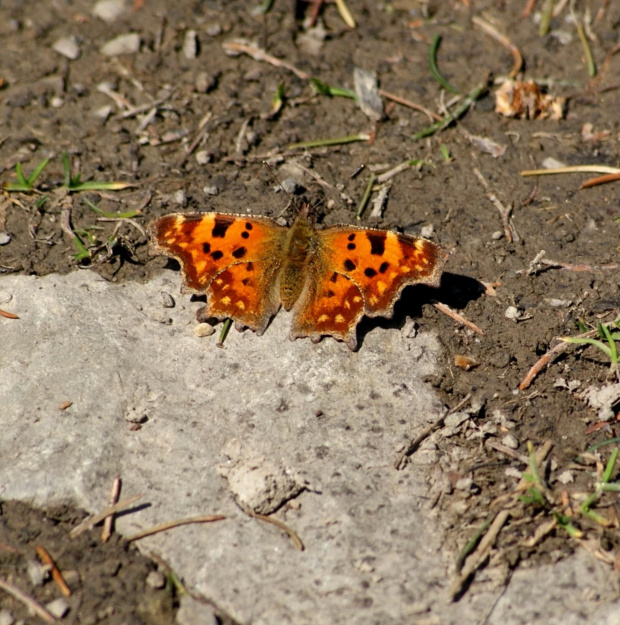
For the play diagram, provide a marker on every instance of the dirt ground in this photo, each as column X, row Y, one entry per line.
column 190, row 126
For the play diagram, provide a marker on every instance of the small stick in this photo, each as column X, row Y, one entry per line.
column 109, row 521
column 136, row 110
column 56, row 574
column 490, row 30
column 314, row 14
column 366, row 197
column 260, row 55
column 209, row 518
column 505, row 211
column 415, row 443
column 292, row 535
column 8, row 315
column 446, row 310
column 551, row 355
column 411, row 105
column 592, row 182
column 90, row 522
column 36, row 607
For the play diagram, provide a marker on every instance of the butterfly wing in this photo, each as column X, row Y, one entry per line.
column 234, row 259
column 382, row 263
column 357, row 271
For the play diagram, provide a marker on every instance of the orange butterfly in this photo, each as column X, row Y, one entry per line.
column 330, row 278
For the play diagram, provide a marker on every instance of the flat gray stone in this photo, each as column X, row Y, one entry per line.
column 334, row 419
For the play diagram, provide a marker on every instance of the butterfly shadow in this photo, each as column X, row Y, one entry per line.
column 455, row 291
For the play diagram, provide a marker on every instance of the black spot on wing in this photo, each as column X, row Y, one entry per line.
column 239, row 252
column 349, row 265
column 334, row 277
column 351, row 237
column 250, row 266
column 330, row 293
column 221, row 225
column 377, row 242
column 383, row 267
column 248, row 225
column 217, row 255
column 369, row 272
column 245, row 235
column 206, row 248
column 351, row 246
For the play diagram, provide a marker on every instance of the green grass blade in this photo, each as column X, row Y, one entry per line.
column 37, row 171
column 109, row 215
column 95, row 185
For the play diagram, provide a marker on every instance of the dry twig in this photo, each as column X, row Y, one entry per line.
column 516, row 54
column 240, row 47
column 415, row 442
column 36, row 607
column 56, row 574
column 109, row 521
column 446, row 310
column 90, row 522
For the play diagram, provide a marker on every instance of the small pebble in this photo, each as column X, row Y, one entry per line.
column 290, row 185
column 180, row 197
column 103, row 112
column 5, row 238
column 497, row 235
column 56, row 102
column 190, row 45
column 566, row 477
column 203, row 157
column 203, row 329
column 427, row 231
column 465, row 483
column 214, row 30
column 155, row 579
column 6, row 618
column 37, row 572
column 67, row 46
column 109, row 10
column 512, row 312
column 128, row 43
column 510, row 441
column 205, row 82
column 58, row 608
column 210, row 190
column 167, row 300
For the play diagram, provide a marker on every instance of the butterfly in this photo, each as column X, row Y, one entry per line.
column 250, row 266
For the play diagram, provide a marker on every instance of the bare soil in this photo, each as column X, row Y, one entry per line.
column 210, row 128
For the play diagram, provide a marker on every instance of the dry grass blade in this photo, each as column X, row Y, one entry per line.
column 91, row 521
column 572, row 169
column 490, row 30
column 36, row 607
column 285, row 528
column 346, row 15
column 56, row 574
column 415, row 443
column 478, row 557
column 8, row 315
column 236, row 47
column 412, row 105
column 208, row 518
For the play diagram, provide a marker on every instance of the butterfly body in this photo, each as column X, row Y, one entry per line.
column 251, row 266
